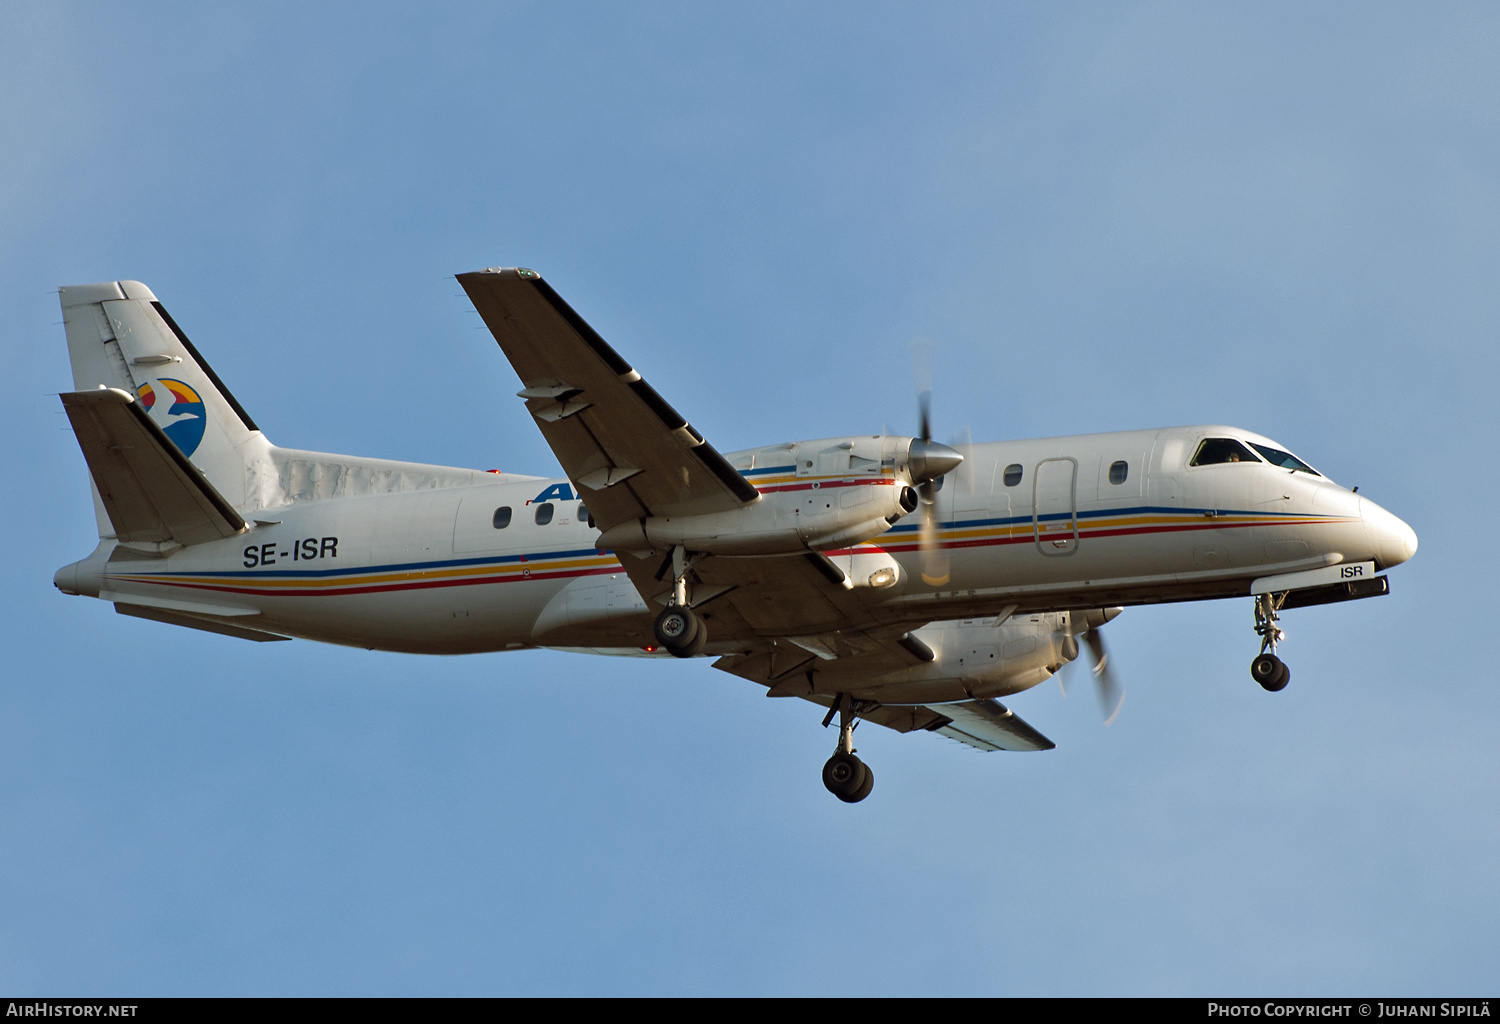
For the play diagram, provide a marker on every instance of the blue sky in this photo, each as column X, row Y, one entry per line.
column 1107, row 216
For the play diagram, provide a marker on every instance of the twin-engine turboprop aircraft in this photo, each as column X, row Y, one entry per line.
column 890, row 579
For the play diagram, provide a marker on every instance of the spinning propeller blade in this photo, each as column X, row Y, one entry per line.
column 1111, row 693
column 934, row 558
column 928, row 462
column 921, row 372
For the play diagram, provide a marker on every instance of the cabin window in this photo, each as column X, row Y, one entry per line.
column 584, row 515
column 501, row 518
column 1214, row 450
column 1286, row 460
column 1118, row 471
column 1012, row 474
column 544, row 513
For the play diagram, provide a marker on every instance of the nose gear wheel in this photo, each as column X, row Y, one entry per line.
column 1270, row 672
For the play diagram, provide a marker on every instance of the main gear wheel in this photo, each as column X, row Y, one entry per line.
column 681, row 632
column 848, row 778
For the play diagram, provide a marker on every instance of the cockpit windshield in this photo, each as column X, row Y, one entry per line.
column 1286, row 460
column 1214, row 450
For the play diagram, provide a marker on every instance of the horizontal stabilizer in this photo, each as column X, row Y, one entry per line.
column 172, row 604
column 154, row 496
column 193, row 622
column 988, row 725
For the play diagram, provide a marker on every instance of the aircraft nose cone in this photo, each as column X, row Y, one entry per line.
column 1394, row 541
column 928, row 460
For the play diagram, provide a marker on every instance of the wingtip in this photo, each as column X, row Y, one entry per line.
column 524, row 273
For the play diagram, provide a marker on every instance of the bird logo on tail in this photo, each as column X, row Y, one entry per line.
column 177, row 409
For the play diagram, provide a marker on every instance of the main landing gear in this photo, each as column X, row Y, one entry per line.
column 1267, row 669
column 681, row 632
column 846, row 776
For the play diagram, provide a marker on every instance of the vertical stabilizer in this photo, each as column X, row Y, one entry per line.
column 119, row 336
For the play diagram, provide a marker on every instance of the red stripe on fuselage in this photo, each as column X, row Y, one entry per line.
column 1030, row 537
column 378, row 588
column 825, row 485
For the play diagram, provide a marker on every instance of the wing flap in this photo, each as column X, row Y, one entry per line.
column 982, row 724
column 786, row 669
column 988, row 725
column 151, row 492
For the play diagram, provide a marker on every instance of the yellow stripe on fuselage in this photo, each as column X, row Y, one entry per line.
column 368, row 579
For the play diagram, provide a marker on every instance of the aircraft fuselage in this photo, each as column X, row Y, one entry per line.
column 1040, row 525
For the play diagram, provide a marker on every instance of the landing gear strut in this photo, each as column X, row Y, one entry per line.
column 1267, row 669
column 846, row 776
column 681, row 632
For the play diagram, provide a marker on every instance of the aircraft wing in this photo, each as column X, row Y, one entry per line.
column 630, row 453
column 632, row 456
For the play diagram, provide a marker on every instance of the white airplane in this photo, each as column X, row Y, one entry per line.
column 888, row 579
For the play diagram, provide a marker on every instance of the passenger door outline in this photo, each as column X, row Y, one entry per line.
column 1054, row 506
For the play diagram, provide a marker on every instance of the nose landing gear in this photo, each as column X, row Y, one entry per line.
column 846, row 776
column 1270, row 672
column 1267, row 669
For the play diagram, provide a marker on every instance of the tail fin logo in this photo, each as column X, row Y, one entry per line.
column 177, row 409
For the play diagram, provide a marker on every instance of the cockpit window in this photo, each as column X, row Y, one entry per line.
column 1286, row 460
column 1214, row 450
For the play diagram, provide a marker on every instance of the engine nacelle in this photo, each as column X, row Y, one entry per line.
column 971, row 659
column 814, row 496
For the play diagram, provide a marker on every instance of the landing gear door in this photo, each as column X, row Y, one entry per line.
column 1054, row 517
